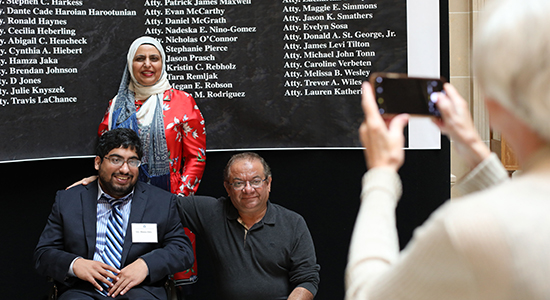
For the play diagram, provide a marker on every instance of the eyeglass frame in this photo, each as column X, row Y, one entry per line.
column 247, row 182
column 123, row 161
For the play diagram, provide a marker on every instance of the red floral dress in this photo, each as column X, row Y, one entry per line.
column 185, row 138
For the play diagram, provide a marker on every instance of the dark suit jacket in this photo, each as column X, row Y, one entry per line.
column 70, row 232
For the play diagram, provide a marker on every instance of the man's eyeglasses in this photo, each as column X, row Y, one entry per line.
column 255, row 183
column 118, row 161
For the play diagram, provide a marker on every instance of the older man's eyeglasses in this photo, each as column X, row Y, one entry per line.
column 118, row 161
column 255, row 183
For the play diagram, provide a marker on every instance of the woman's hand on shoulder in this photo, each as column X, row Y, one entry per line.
column 84, row 181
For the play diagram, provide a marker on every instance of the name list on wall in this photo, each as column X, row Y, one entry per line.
column 281, row 61
column 322, row 56
column 40, row 42
column 197, row 36
column 324, row 50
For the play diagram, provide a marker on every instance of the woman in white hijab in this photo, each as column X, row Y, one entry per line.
column 168, row 121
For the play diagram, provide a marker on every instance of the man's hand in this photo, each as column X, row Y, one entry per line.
column 132, row 275
column 84, row 181
column 384, row 144
column 300, row 293
column 91, row 270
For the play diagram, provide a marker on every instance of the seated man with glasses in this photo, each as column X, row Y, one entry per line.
column 115, row 237
column 260, row 250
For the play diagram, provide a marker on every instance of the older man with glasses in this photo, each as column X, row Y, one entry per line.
column 260, row 250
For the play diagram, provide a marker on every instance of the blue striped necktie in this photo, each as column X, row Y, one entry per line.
column 114, row 239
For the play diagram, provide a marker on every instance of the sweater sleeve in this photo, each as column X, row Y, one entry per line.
column 374, row 242
column 488, row 173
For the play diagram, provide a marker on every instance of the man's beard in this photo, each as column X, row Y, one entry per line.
column 116, row 190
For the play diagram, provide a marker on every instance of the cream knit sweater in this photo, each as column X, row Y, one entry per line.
column 492, row 244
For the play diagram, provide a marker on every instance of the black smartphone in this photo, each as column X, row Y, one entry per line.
column 397, row 93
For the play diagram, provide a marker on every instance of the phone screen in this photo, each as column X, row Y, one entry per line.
column 416, row 96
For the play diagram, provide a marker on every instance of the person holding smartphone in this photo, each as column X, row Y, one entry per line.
column 493, row 242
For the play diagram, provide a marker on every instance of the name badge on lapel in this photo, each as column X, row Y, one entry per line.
column 144, row 233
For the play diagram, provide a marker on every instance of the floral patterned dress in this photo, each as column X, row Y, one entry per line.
column 185, row 138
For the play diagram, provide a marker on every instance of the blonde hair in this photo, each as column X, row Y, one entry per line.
column 512, row 59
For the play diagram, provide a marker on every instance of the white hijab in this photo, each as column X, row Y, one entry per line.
column 145, row 91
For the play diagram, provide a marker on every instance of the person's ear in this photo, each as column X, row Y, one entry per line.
column 97, row 163
column 269, row 183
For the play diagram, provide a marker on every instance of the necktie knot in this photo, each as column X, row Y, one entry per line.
column 115, row 203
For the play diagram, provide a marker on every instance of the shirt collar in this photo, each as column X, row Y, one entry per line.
column 233, row 213
column 100, row 192
column 270, row 215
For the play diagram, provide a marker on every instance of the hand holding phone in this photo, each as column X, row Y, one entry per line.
column 383, row 139
column 396, row 93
